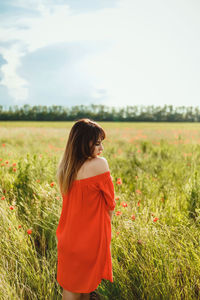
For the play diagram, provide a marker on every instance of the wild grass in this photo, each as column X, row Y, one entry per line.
column 155, row 229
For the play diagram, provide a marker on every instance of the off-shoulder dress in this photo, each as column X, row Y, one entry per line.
column 84, row 234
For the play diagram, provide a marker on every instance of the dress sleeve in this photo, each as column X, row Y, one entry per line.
column 107, row 189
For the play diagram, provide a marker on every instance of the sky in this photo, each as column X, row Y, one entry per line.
column 111, row 52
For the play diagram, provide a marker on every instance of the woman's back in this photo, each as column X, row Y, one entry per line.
column 84, row 230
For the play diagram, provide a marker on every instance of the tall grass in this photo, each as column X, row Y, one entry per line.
column 155, row 229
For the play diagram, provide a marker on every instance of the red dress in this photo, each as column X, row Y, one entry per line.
column 84, row 234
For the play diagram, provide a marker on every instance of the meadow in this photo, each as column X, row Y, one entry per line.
column 155, row 226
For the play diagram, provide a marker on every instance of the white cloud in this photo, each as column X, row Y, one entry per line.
column 53, row 25
column 17, row 86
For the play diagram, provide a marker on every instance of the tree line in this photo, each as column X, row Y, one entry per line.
column 166, row 113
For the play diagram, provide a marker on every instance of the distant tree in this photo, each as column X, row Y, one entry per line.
column 166, row 113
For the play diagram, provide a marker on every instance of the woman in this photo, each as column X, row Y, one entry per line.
column 84, row 228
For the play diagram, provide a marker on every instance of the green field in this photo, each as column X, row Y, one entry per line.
column 156, row 225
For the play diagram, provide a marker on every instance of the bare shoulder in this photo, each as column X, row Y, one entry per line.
column 93, row 167
column 99, row 165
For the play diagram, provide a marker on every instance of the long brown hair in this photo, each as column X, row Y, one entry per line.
column 77, row 151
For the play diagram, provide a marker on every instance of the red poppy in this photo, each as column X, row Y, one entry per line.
column 118, row 213
column 11, row 207
column 138, row 204
column 20, row 226
column 14, row 164
column 3, row 198
column 14, row 169
column 29, row 231
column 133, row 217
column 119, row 151
column 1, row 159
column 124, row 204
column 52, row 184
column 6, row 161
column 2, row 164
column 117, row 232
column 37, row 180
column 155, row 219
column 3, row 145
column 138, row 192
column 117, row 198
column 119, row 181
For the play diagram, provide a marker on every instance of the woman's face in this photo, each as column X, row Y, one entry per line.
column 98, row 148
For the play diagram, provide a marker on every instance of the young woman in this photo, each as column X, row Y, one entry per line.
column 84, row 228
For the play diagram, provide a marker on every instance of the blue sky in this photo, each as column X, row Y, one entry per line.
column 112, row 52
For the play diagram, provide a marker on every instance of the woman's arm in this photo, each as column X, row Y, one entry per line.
column 107, row 186
column 110, row 214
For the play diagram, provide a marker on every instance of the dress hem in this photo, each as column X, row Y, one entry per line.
column 91, row 290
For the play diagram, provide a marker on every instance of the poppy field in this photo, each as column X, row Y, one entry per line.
column 155, row 244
